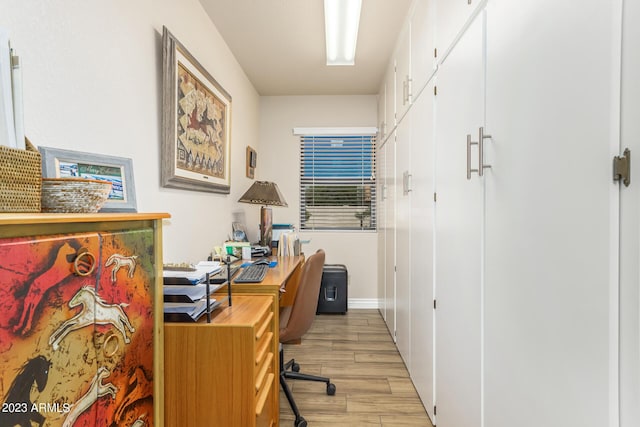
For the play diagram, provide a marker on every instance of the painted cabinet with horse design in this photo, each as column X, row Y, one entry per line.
column 77, row 327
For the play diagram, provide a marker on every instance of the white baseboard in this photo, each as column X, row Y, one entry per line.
column 363, row 303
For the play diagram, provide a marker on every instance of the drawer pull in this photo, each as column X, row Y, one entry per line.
column 264, row 326
column 264, row 347
column 262, row 398
column 263, row 371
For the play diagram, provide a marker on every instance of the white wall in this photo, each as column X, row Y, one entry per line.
column 279, row 161
column 92, row 73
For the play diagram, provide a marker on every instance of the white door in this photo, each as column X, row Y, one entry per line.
column 403, row 69
column 381, row 222
column 630, row 222
column 422, row 45
column 451, row 16
column 459, row 215
column 548, row 318
column 403, row 240
column 390, row 234
column 422, row 271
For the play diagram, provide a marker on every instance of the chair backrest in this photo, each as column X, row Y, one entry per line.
column 296, row 320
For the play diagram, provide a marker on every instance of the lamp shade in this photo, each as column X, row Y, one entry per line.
column 264, row 193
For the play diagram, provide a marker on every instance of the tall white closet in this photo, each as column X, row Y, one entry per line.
column 525, row 309
column 550, row 320
column 629, row 224
column 459, row 216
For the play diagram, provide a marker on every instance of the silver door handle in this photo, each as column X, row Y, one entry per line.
column 469, row 144
column 481, row 137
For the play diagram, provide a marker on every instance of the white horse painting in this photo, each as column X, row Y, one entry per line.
column 118, row 261
column 95, row 391
column 94, row 310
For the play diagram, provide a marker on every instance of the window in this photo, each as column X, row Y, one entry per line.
column 337, row 182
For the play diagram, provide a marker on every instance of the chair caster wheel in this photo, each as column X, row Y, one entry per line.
column 300, row 422
column 331, row 389
column 295, row 367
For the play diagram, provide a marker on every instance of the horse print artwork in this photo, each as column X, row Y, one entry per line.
column 41, row 284
column 94, row 311
column 118, row 261
column 95, row 391
column 78, row 350
column 17, row 408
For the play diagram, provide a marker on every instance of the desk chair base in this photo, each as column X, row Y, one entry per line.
column 294, row 374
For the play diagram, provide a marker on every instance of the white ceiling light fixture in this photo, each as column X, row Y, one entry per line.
column 341, row 20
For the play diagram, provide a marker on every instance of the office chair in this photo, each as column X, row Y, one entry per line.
column 295, row 321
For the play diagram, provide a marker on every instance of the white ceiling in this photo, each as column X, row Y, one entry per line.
column 280, row 44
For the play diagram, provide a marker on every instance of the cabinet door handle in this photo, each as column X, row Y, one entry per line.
column 404, row 92
column 406, row 183
column 481, row 137
column 469, row 144
column 85, row 263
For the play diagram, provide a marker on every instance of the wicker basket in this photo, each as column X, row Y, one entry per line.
column 77, row 195
column 20, row 179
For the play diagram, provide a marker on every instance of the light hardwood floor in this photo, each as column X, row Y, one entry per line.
column 373, row 386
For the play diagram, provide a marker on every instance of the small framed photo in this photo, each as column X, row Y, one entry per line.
column 58, row 163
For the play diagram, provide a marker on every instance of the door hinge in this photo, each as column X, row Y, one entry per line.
column 435, row 52
column 434, row 304
column 435, row 412
column 622, row 167
column 435, row 197
column 435, row 90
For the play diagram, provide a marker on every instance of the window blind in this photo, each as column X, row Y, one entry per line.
column 337, row 182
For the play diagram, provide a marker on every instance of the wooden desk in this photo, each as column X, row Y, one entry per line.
column 276, row 282
column 224, row 373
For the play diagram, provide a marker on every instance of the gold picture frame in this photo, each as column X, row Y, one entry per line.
column 196, row 123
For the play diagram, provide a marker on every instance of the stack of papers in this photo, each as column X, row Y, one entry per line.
column 188, row 276
column 185, row 292
column 183, row 312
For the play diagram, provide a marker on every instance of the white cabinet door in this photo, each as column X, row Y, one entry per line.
column 459, row 219
column 390, row 100
column 403, row 239
column 381, row 214
column 382, row 131
column 630, row 223
column 390, row 234
column 403, row 70
column 451, row 16
column 421, row 217
column 422, row 44
column 548, row 267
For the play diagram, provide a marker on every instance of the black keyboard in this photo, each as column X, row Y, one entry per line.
column 253, row 273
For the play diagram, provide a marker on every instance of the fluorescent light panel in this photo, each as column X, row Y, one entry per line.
column 341, row 20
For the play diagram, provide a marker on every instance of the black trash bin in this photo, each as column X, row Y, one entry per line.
column 333, row 289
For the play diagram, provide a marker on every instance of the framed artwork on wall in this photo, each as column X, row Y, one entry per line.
column 58, row 163
column 251, row 162
column 196, row 123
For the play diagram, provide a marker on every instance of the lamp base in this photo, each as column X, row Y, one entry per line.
column 266, row 226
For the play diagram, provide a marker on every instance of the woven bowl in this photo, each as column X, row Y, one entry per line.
column 74, row 195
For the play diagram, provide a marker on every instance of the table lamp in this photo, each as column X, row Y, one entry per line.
column 264, row 193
